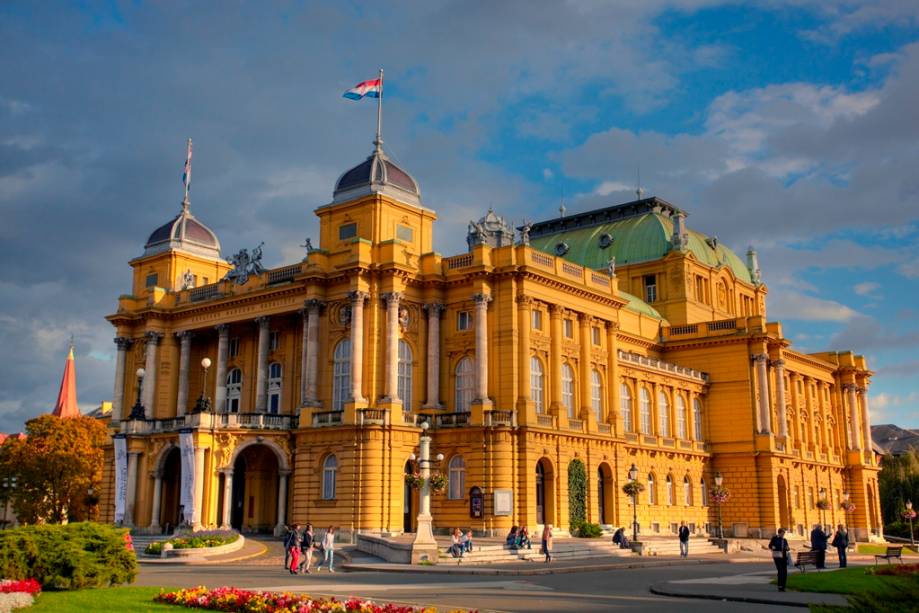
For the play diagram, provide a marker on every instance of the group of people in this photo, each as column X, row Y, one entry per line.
column 462, row 543
column 781, row 553
column 300, row 545
column 518, row 538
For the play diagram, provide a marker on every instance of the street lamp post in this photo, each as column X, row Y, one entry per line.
column 137, row 411
column 424, row 547
column 203, row 405
column 845, row 508
column 718, row 481
column 909, row 508
column 633, row 475
column 91, row 502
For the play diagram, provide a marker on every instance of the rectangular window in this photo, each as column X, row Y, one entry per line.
column 650, row 288
column 405, row 233
column 274, row 341
column 463, row 320
column 595, row 335
column 346, row 231
column 152, row 279
column 568, row 326
column 234, row 347
column 537, row 320
column 810, row 497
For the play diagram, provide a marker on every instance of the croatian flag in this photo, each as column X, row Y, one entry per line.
column 186, row 176
column 368, row 89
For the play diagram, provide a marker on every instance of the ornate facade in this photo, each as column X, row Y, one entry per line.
column 615, row 337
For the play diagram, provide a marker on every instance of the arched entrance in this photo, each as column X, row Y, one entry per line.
column 605, row 491
column 784, row 518
column 255, row 490
column 171, row 499
column 409, row 510
column 545, row 492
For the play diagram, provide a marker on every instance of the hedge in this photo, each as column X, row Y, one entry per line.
column 70, row 557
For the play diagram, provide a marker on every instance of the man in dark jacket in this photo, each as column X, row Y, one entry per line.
column 779, row 547
column 684, row 539
column 818, row 544
column 841, row 543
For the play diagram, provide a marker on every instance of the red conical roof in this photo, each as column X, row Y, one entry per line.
column 67, row 397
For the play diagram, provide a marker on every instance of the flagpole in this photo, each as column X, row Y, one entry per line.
column 187, row 175
column 379, row 141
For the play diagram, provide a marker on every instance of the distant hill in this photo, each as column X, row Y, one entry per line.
column 894, row 439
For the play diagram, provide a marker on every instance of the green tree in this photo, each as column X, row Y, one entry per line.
column 577, row 493
column 53, row 468
column 898, row 482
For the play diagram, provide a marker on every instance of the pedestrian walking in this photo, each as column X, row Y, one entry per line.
column 293, row 549
column 841, row 543
column 684, row 540
column 306, row 548
column 328, row 548
column 287, row 536
column 779, row 547
column 547, row 542
column 818, row 544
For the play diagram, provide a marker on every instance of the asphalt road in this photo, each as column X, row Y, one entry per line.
column 618, row 590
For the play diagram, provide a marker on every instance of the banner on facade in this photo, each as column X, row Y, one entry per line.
column 121, row 476
column 190, row 514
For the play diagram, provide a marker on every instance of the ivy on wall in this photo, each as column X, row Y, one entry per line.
column 577, row 492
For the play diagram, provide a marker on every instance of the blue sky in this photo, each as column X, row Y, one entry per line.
column 790, row 125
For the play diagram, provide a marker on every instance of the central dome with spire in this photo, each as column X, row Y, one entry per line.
column 377, row 174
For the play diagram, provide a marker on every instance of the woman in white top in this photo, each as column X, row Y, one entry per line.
column 328, row 546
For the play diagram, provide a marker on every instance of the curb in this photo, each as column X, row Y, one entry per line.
column 204, row 561
column 564, row 570
column 660, row 591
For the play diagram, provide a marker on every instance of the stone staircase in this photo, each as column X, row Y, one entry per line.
column 670, row 546
column 562, row 549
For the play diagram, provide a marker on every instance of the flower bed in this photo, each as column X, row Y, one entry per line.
column 17, row 594
column 195, row 540
column 897, row 570
column 234, row 600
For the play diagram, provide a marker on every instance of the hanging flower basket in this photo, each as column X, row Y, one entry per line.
column 823, row 504
column 909, row 514
column 438, row 483
column 633, row 488
column 414, row 480
column 720, row 494
column 847, row 506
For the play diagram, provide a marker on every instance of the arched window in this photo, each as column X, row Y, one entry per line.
column 341, row 375
column 274, row 387
column 669, row 490
column 537, row 384
column 681, row 416
column 645, row 411
column 405, row 374
column 234, row 390
column 652, row 490
column 329, row 474
column 625, row 407
column 456, row 478
column 704, row 492
column 596, row 394
column 663, row 414
column 697, row 418
column 687, row 491
column 568, row 389
column 465, row 385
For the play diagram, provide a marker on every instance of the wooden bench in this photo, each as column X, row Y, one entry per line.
column 804, row 558
column 892, row 552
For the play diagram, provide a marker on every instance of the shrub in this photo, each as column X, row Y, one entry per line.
column 69, row 557
column 585, row 529
column 194, row 540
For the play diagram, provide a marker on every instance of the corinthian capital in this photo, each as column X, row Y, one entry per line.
column 481, row 299
column 391, row 297
column 357, row 296
column 123, row 342
column 760, row 358
column 153, row 337
column 434, row 309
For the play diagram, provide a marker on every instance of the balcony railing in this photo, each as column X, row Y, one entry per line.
column 451, row 420
column 326, row 418
column 576, row 424
column 500, row 418
column 285, row 273
column 546, row 421
column 255, row 421
column 459, row 261
column 205, row 292
column 373, row 416
column 604, row 428
column 661, row 365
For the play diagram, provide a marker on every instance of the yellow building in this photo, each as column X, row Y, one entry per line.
column 611, row 338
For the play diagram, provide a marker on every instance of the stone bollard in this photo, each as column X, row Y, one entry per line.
column 167, row 547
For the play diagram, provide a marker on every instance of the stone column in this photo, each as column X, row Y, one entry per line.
column 811, row 414
column 152, row 341
column 780, row 397
column 434, row 310
column 131, row 489
column 524, row 323
column 357, row 345
column 391, row 380
column 481, row 347
column 220, row 375
column 762, row 420
column 157, row 495
column 866, row 418
column 261, row 373
column 555, row 359
column 184, row 359
column 613, row 409
column 854, row 432
column 197, row 519
column 227, row 498
column 584, row 366
column 282, row 501
column 122, row 345
column 311, row 366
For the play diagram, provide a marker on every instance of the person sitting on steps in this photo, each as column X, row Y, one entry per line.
column 523, row 538
column 511, row 540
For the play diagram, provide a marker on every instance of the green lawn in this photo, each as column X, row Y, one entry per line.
column 104, row 600
column 880, row 549
column 846, row 581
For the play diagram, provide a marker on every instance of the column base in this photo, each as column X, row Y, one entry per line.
column 424, row 547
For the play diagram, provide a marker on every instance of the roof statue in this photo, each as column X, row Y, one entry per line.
column 67, row 396
column 245, row 265
column 492, row 230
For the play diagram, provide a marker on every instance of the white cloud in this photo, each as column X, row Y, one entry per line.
column 866, row 288
column 789, row 304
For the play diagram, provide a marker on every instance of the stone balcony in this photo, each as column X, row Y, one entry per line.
column 219, row 421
